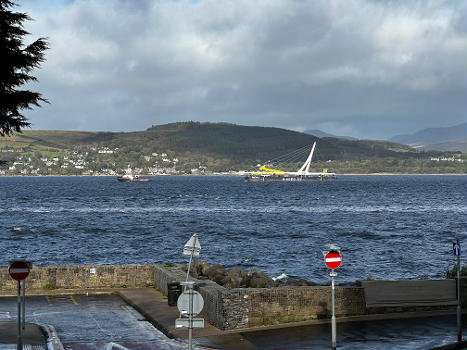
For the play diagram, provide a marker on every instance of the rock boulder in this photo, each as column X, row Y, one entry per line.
column 258, row 279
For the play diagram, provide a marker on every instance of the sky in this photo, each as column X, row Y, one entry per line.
column 363, row 68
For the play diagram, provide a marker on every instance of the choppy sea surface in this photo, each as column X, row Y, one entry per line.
column 388, row 227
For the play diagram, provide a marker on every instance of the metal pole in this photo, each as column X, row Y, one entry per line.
column 333, row 318
column 19, row 343
column 189, row 264
column 190, row 318
column 459, row 308
column 23, row 304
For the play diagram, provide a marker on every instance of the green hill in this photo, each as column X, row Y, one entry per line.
column 223, row 146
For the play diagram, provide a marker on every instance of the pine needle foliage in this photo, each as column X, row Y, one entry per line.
column 18, row 61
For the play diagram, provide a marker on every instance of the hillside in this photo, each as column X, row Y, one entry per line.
column 220, row 147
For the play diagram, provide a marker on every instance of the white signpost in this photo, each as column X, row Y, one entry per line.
column 190, row 303
column 192, row 249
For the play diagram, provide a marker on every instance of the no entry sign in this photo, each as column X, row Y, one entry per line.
column 18, row 270
column 333, row 259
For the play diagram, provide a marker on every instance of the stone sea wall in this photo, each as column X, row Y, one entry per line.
column 250, row 307
column 294, row 304
column 79, row 277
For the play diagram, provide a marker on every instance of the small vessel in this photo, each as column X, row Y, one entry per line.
column 301, row 175
column 131, row 178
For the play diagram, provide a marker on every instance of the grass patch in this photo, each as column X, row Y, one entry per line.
column 49, row 286
column 452, row 273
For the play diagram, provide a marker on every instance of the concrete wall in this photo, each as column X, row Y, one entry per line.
column 410, row 293
column 77, row 277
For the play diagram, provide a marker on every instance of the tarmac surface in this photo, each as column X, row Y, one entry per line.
column 401, row 331
column 140, row 319
column 85, row 322
column 32, row 333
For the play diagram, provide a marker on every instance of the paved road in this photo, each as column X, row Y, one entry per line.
column 93, row 322
column 90, row 322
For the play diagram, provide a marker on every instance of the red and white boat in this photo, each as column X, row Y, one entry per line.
column 131, row 178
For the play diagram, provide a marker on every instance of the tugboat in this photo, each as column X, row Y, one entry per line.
column 131, row 178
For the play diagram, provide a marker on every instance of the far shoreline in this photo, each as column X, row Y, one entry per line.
column 241, row 175
column 397, row 174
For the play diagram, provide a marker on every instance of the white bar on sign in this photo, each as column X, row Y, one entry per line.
column 185, row 323
column 189, row 250
column 19, row 270
column 333, row 259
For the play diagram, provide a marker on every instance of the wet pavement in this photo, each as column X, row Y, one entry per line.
column 33, row 336
column 90, row 322
column 397, row 334
column 96, row 321
column 384, row 331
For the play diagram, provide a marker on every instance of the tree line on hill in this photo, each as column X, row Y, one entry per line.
column 174, row 151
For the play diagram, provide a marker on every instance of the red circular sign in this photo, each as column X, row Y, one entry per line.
column 18, row 270
column 333, row 259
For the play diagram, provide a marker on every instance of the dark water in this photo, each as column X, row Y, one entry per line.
column 389, row 227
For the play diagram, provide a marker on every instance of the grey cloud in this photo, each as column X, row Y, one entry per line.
column 373, row 68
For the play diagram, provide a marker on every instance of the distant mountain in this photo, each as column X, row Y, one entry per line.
column 433, row 135
column 453, row 138
column 320, row 134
